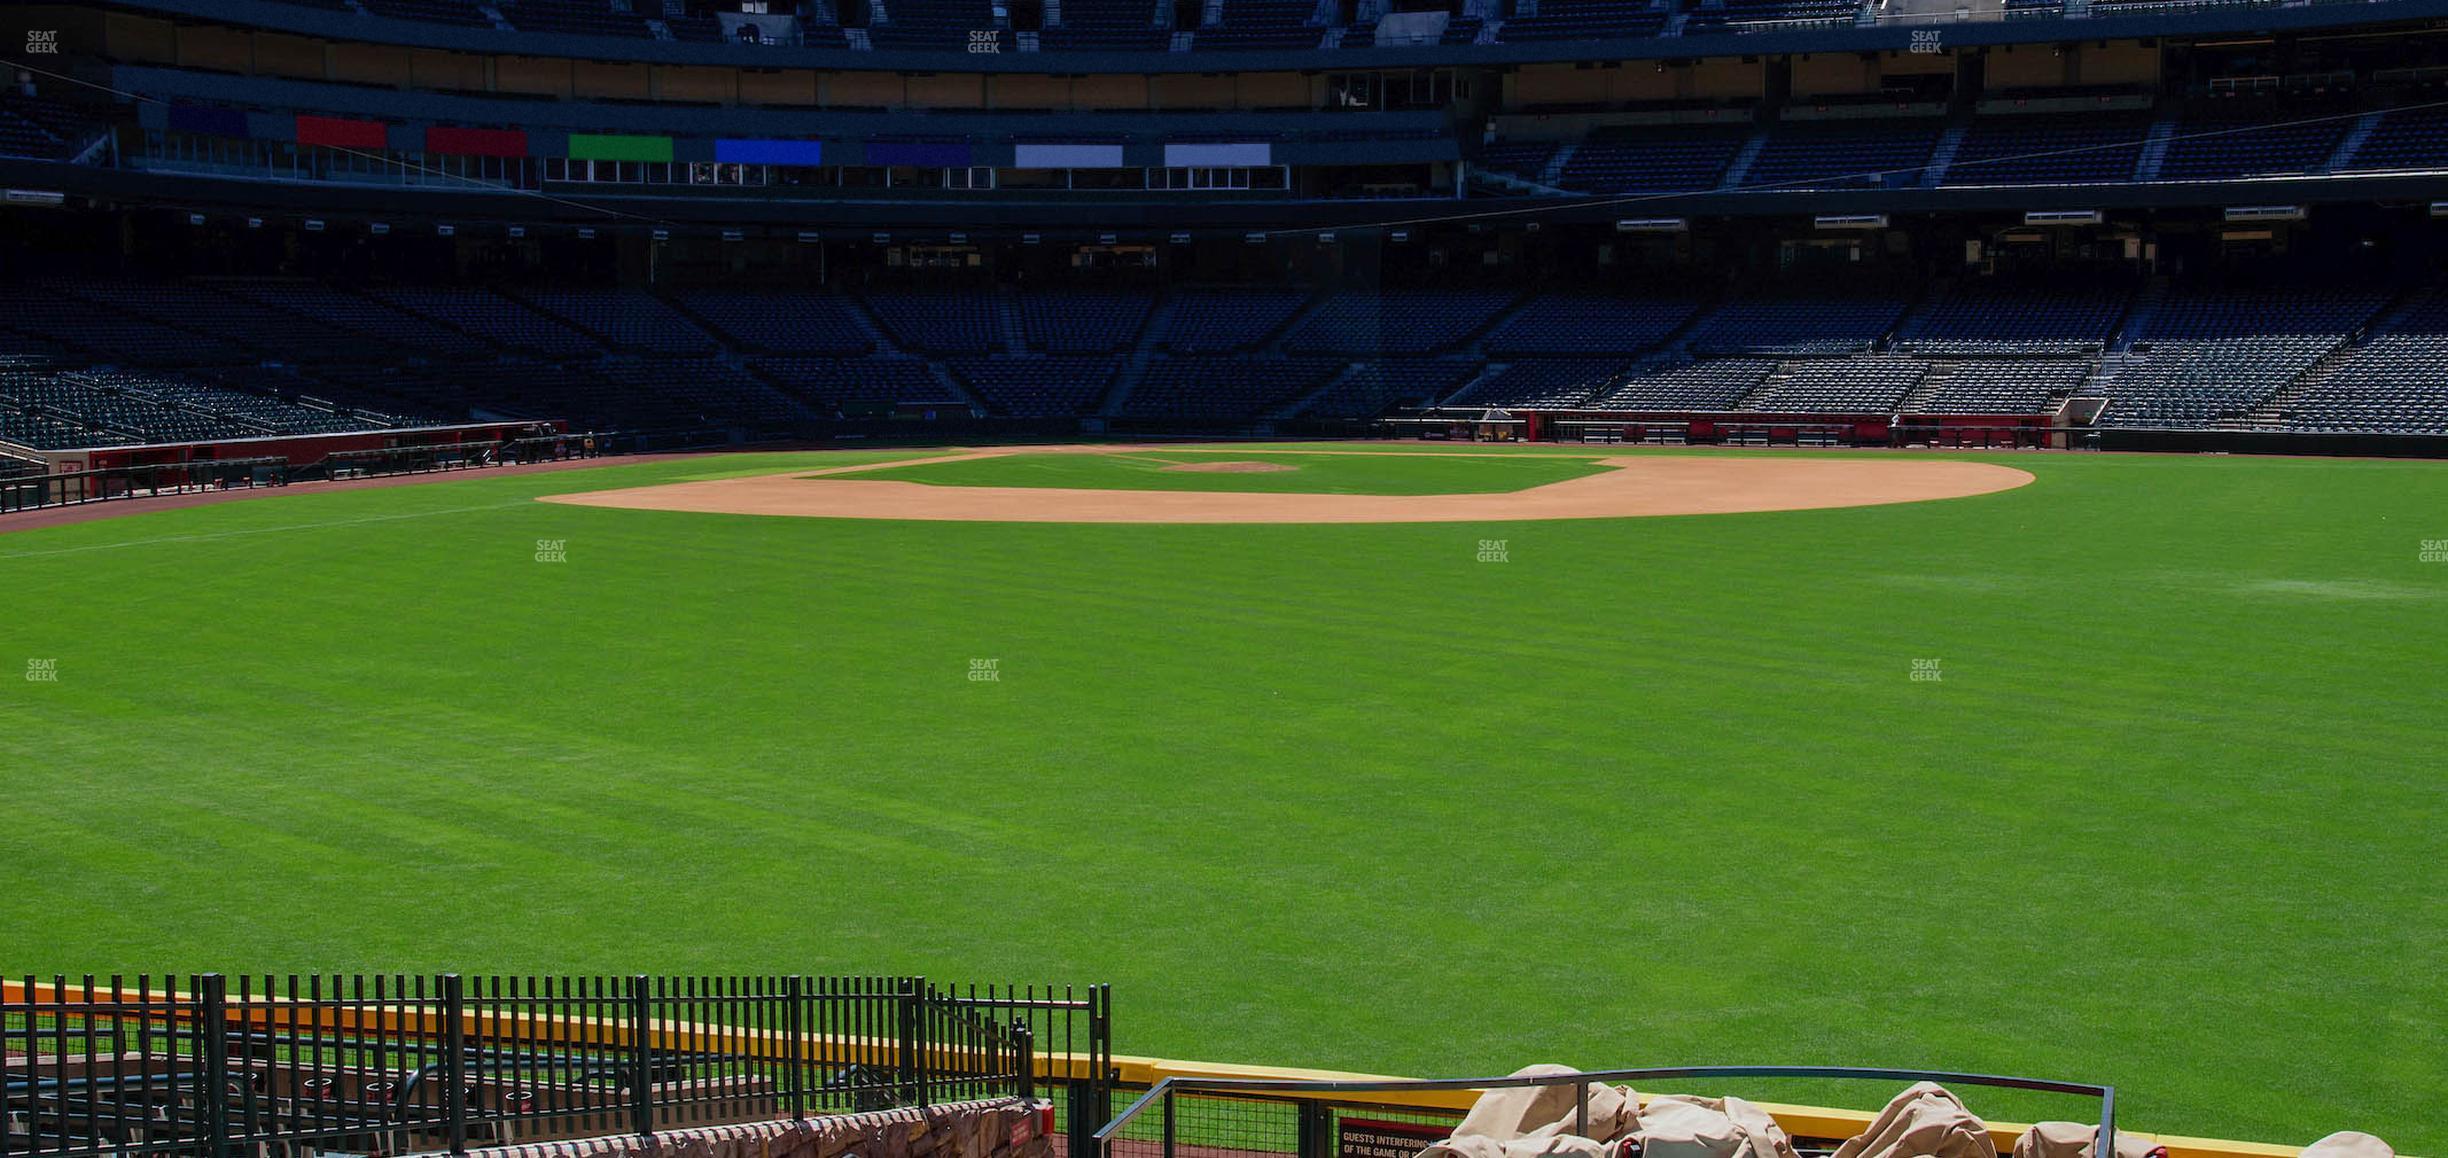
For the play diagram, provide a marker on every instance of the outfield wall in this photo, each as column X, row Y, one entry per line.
column 421, row 1020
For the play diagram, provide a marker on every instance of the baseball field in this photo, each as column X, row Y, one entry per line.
column 2132, row 770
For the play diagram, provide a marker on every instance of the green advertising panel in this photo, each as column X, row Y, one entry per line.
column 618, row 147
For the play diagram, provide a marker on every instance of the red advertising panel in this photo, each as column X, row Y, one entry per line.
column 339, row 134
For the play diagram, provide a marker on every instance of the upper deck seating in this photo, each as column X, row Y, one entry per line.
column 1796, row 325
column 2087, row 149
column 1844, row 155
column 1262, row 24
column 1977, row 318
column 1395, row 321
column 1652, row 160
column 781, row 321
column 1589, row 324
column 2223, row 145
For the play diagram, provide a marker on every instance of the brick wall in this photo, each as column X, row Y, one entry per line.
column 1001, row 1128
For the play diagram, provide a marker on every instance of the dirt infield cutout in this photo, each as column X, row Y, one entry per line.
column 1636, row 485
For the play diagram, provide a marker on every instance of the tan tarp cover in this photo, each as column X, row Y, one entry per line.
column 2348, row 1144
column 1538, row 1121
column 2074, row 1140
column 1925, row 1121
column 1538, row 1110
column 1681, row 1126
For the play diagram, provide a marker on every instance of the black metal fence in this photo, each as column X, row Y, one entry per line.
column 26, row 492
column 378, row 462
column 72, row 488
column 298, row 1066
column 1072, row 1033
column 1384, row 1118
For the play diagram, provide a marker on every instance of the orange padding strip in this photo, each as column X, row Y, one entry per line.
column 269, row 1012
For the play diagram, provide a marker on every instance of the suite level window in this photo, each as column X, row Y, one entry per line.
column 606, row 172
column 714, row 173
column 1420, row 88
column 1219, row 178
column 651, row 172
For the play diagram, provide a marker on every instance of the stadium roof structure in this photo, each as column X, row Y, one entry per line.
column 1898, row 34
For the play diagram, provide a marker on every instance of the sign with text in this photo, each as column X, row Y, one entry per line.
column 1374, row 1138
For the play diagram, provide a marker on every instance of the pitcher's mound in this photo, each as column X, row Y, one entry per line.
column 1243, row 467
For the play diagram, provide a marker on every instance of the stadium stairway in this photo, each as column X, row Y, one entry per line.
column 1551, row 174
column 1272, row 342
column 951, row 382
column 2349, row 144
column 1470, row 342
column 1939, row 373
column 867, row 325
column 740, row 365
column 2273, row 411
column 2154, row 149
column 1739, row 169
column 1488, row 372
column 2136, row 322
column 1334, row 382
column 1678, row 339
column 1159, row 321
column 1943, row 157
column 1007, row 315
column 1476, row 346
column 1769, row 385
column 2101, row 383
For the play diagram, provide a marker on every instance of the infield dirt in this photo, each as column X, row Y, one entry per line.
column 1635, row 485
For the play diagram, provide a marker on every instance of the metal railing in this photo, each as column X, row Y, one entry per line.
column 1312, row 1119
column 75, row 488
column 36, row 491
column 289, row 1067
column 390, row 460
column 1072, row 1031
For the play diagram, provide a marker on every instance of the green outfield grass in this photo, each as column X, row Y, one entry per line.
column 1651, row 791
column 1341, row 474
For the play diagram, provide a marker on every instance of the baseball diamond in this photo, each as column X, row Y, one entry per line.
column 1223, row 579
